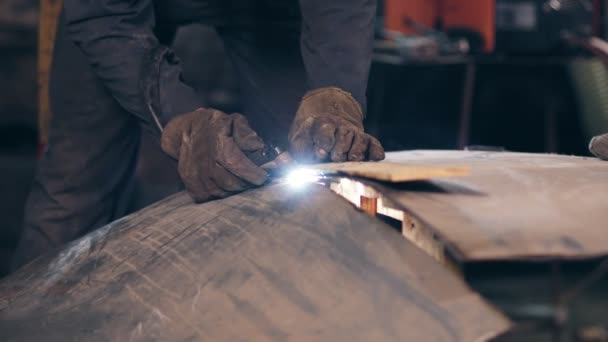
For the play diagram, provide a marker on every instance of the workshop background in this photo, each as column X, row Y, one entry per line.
column 518, row 75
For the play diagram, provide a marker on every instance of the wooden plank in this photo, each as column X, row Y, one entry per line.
column 393, row 172
column 269, row 264
column 511, row 206
column 365, row 197
column 49, row 16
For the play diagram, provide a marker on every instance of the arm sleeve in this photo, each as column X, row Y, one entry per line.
column 117, row 37
column 336, row 43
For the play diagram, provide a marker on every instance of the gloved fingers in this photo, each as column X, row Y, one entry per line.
column 599, row 146
column 344, row 140
column 323, row 136
column 300, row 141
column 227, row 181
column 376, row 151
column 245, row 137
column 359, row 147
column 174, row 133
column 201, row 189
column 222, row 121
column 234, row 160
column 302, row 149
column 212, row 189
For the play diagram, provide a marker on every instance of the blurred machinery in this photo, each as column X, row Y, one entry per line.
column 474, row 18
column 543, row 45
column 499, row 26
column 539, row 27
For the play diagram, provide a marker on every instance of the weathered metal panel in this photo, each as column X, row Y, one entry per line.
column 270, row 264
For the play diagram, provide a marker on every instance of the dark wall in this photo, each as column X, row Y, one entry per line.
column 526, row 108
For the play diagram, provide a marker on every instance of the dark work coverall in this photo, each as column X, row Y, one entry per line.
column 112, row 73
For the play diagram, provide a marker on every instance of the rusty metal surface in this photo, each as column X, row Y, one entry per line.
column 276, row 263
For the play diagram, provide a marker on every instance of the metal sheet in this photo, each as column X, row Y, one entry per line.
column 276, row 263
column 511, row 205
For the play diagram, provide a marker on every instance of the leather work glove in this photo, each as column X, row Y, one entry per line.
column 599, row 146
column 211, row 148
column 329, row 126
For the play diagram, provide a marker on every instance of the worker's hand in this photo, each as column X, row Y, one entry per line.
column 211, row 148
column 599, row 146
column 329, row 126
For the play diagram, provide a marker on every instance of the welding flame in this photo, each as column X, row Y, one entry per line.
column 300, row 177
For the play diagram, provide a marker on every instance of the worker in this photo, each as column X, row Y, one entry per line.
column 303, row 68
